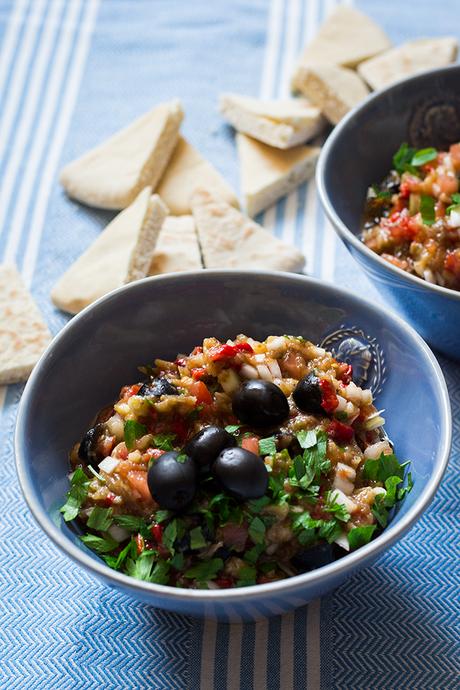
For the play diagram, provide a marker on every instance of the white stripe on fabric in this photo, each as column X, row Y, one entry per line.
column 208, row 651
column 287, row 651
column 3, row 392
column 313, row 645
column 48, row 170
column 234, row 656
column 271, row 49
column 42, row 129
column 19, row 76
column 27, row 120
column 260, row 655
column 290, row 52
column 10, row 40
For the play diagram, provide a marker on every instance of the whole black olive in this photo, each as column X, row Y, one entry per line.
column 308, row 396
column 260, row 404
column 241, row 473
column 172, row 480
column 87, row 450
column 157, row 387
column 314, row 557
column 206, row 445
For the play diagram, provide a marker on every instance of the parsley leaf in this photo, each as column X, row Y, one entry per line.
column 329, row 530
column 403, row 490
column 100, row 519
column 403, row 158
column 76, row 496
column 232, row 428
column 359, row 536
column 423, row 156
column 133, row 430
column 141, row 567
column 379, row 511
column 162, row 515
column 256, row 504
column 99, row 544
column 115, row 562
column 177, row 561
column 252, row 555
column 427, row 209
column 197, row 540
column 246, row 576
column 385, row 466
column 207, row 570
column 170, row 535
column 132, row 523
column 160, row 573
column 337, row 509
column 306, row 439
column 455, row 202
column 257, row 530
column 267, row 446
column 164, row 441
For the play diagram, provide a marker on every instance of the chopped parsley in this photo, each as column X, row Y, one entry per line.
column 246, row 576
column 423, row 156
column 257, row 530
column 99, row 544
column 455, row 202
column 132, row 523
column 359, row 536
column 427, row 209
column 197, row 540
column 207, row 570
column 307, row 439
column 337, row 509
column 402, row 160
column 256, row 504
column 175, row 530
column 164, row 441
column 133, row 431
column 252, row 555
column 267, row 446
column 76, row 495
column 385, row 466
column 100, row 519
column 232, row 428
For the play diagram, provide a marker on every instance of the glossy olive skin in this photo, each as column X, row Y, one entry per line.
column 87, row 450
column 171, row 482
column 260, row 404
column 242, row 473
column 308, row 396
column 206, row 445
column 157, row 387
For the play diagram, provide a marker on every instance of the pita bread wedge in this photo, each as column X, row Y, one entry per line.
column 346, row 38
column 334, row 90
column 282, row 124
column 267, row 174
column 23, row 332
column 177, row 247
column 188, row 170
column 411, row 57
column 122, row 253
column 112, row 174
column 229, row 239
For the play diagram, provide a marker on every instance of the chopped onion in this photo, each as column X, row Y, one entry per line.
column 277, row 345
column 373, row 422
column 342, row 540
column 342, row 404
column 339, row 497
column 249, row 372
column 264, row 372
column 118, row 533
column 342, row 484
column 229, row 380
column 260, row 358
column 274, row 367
column 376, row 449
column 108, row 464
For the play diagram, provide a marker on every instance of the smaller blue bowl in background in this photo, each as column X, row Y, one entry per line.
column 423, row 110
column 99, row 350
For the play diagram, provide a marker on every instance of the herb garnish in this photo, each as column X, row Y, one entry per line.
column 76, row 495
column 427, row 209
column 133, row 431
column 232, row 428
column 257, row 530
column 164, row 441
column 267, row 446
column 207, row 570
column 99, row 544
column 402, row 160
column 100, row 519
column 197, row 540
column 423, row 156
column 455, row 202
column 359, row 536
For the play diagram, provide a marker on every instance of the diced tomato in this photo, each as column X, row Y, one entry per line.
column 121, row 452
column 342, row 433
column 109, row 499
column 224, row 582
column 402, row 226
column 345, row 373
column 454, row 152
column 447, row 184
column 152, row 454
column 452, row 262
column 228, row 351
column 404, row 190
column 137, row 479
column 157, row 533
column 128, row 391
column 329, row 399
column 201, row 392
column 198, row 374
column 179, row 427
column 251, row 443
column 139, row 544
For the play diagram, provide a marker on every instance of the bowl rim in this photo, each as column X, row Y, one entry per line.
column 342, row 230
column 334, row 570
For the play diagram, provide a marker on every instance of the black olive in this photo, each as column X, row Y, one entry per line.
column 260, row 404
column 172, row 480
column 308, row 396
column 314, row 557
column 241, row 473
column 87, row 450
column 157, row 387
column 206, row 445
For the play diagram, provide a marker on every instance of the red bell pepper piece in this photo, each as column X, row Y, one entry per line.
column 228, row 351
column 342, row 433
column 329, row 398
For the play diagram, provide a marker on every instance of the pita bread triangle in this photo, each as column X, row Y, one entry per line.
column 229, row 239
column 122, row 253
column 23, row 332
column 267, row 174
column 177, row 248
column 187, row 170
column 112, row 174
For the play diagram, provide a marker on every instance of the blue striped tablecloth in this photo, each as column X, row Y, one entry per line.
column 71, row 72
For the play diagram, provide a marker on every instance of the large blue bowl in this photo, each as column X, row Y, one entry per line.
column 99, row 350
column 425, row 111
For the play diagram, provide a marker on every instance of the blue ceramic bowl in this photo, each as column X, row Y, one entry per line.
column 425, row 111
column 100, row 349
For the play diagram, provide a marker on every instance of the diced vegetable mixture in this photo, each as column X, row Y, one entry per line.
column 239, row 464
column 412, row 218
